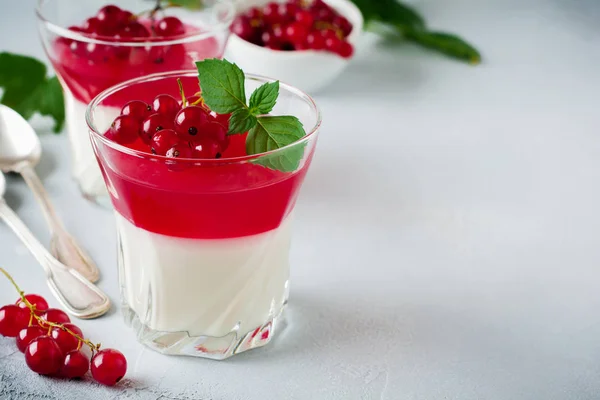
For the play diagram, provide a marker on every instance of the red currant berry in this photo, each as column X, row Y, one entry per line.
column 57, row 316
column 134, row 30
column 295, row 33
column 243, row 28
column 125, row 129
column 343, row 24
column 153, row 124
column 315, row 41
column 75, row 365
column 26, row 335
column 180, row 150
column 13, row 319
column 287, row 11
column 41, row 305
column 92, row 26
column 346, row 50
column 98, row 52
column 333, row 45
column 125, row 17
column 44, row 356
column 110, row 18
column 269, row 40
column 206, row 148
column 137, row 109
column 166, row 105
column 253, row 13
column 216, row 132
column 169, row 26
column 109, row 366
column 324, row 14
column 189, row 121
column 304, row 17
column 277, row 32
column 271, row 13
column 163, row 140
column 222, row 119
column 64, row 339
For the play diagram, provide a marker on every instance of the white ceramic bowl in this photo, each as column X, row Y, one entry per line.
column 308, row 70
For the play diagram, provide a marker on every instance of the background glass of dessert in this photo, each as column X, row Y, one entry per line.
column 93, row 46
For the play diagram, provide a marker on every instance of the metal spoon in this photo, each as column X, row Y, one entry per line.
column 77, row 295
column 20, row 151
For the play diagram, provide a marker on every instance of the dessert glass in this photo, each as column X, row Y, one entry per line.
column 87, row 65
column 203, row 244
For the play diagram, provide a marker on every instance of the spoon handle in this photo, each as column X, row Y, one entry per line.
column 77, row 295
column 62, row 245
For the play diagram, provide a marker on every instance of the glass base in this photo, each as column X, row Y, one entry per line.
column 215, row 348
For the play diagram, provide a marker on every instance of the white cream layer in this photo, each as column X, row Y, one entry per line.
column 205, row 287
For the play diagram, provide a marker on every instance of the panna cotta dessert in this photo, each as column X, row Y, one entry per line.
column 94, row 49
column 204, row 180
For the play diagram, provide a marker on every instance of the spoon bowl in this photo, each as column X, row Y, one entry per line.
column 17, row 151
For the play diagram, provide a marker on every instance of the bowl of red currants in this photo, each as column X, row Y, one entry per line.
column 305, row 43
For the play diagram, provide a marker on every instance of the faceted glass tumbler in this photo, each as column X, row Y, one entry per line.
column 203, row 244
column 87, row 64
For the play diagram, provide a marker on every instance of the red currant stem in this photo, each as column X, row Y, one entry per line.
column 182, row 93
column 43, row 322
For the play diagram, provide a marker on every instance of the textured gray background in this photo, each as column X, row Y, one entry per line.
column 446, row 243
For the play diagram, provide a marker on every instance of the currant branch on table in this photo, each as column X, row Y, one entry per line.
column 52, row 345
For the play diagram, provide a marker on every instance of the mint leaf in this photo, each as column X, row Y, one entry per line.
column 241, row 121
column 287, row 160
column 222, row 84
column 273, row 132
column 263, row 99
column 27, row 90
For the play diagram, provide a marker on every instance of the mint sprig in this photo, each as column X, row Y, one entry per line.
column 223, row 91
column 28, row 90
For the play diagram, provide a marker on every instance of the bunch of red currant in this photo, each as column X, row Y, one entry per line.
column 52, row 344
column 112, row 23
column 296, row 25
column 173, row 129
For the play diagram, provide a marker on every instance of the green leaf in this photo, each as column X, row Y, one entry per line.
column 445, row 43
column 263, row 99
column 27, row 90
column 189, row 4
column 241, row 121
column 222, row 85
column 391, row 12
column 287, row 160
column 52, row 103
column 273, row 132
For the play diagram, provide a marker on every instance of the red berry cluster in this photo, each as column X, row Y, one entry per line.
column 52, row 344
column 296, row 25
column 171, row 129
column 112, row 23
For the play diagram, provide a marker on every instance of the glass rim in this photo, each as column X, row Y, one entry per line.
column 94, row 132
column 187, row 38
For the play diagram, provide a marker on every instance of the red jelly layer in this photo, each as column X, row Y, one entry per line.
column 87, row 69
column 199, row 201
